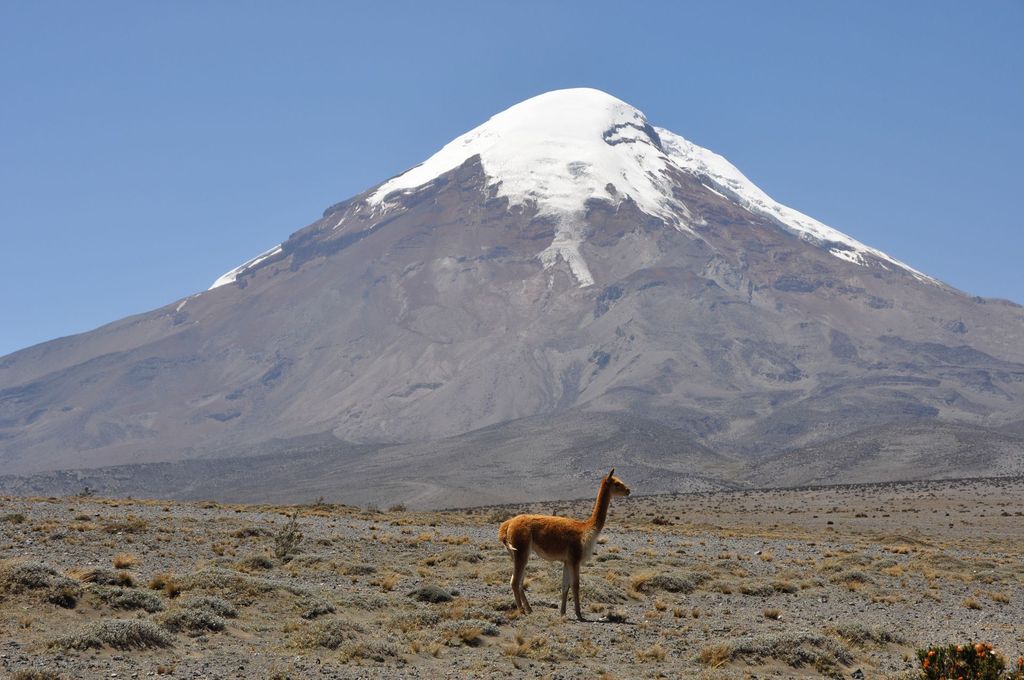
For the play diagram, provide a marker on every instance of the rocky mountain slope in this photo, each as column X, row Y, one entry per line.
column 564, row 259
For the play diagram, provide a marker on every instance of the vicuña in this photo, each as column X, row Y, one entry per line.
column 557, row 539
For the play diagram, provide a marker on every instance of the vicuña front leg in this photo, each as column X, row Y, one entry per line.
column 575, row 591
column 566, row 580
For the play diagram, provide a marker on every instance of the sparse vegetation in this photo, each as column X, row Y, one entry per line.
column 821, row 652
column 287, row 540
column 126, row 598
column 125, row 561
column 256, row 562
column 431, row 593
column 124, row 634
column 317, row 610
column 19, row 576
column 166, row 582
column 648, row 581
column 862, row 635
column 329, row 634
column 395, row 588
column 33, row 674
column 193, row 619
column 102, row 576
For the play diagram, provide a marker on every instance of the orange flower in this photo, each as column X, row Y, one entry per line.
column 979, row 649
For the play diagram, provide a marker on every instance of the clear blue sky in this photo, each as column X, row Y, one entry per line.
column 147, row 147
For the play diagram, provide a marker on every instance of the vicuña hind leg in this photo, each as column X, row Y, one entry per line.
column 566, row 580
column 520, row 559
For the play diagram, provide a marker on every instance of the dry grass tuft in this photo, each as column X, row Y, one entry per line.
column 103, row 577
column 166, row 582
column 715, row 655
column 125, row 561
column 33, row 674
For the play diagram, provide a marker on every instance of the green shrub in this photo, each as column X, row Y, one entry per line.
column 19, row 576
column 214, row 578
column 126, row 598
column 256, row 562
column 194, row 620
column 431, row 593
column 358, row 569
column 862, row 635
column 33, row 674
column 329, row 634
column 317, row 610
column 287, row 540
column 212, row 604
column 971, row 661
column 824, row 653
column 673, row 583
column 119, row 634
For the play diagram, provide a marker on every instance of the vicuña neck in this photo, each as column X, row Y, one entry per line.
column 604, row 497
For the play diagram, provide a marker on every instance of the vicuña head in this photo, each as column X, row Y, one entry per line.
column 557, row 539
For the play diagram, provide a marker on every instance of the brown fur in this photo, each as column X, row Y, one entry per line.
column 557, row 539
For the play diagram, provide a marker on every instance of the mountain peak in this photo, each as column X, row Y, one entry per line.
column 563, row 148
column 559, row 150
column 556, row 150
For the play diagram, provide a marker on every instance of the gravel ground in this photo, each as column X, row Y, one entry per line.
column 746, row 584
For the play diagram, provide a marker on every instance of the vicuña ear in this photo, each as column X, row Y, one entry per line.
column 611, row 474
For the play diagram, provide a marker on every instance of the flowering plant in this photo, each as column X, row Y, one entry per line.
column 968, row 661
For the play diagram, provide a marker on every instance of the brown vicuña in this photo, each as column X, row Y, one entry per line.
column 557, row 539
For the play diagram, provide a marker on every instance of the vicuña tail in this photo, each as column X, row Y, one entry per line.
column 503, row 537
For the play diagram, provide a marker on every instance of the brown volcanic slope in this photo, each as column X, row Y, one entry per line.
column 436, row 317
column 539, row 458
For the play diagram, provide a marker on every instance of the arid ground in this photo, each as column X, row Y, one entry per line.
column 744, row 584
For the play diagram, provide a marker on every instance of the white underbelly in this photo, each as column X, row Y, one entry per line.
column 560, row 556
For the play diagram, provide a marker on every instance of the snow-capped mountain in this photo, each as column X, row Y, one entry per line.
column 560, row 150
column 567, row 277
